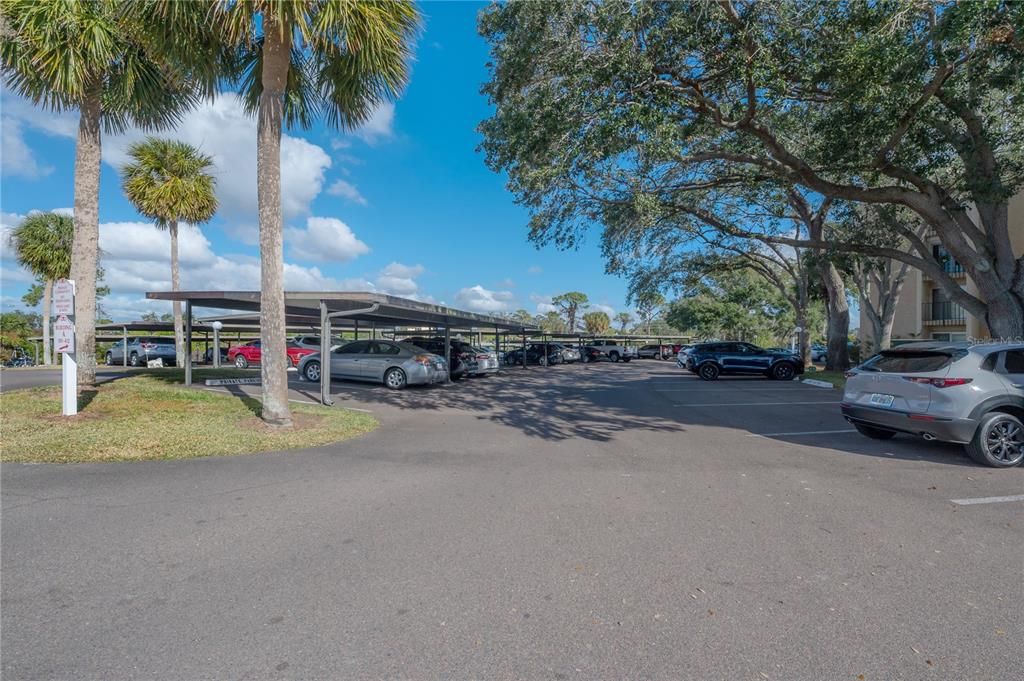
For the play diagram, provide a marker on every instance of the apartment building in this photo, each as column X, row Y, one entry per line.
column 924, row 310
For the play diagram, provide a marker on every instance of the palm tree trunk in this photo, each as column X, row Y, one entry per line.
column 85, row 247
column 273, row 354
column 47, row 301
column 179, row 327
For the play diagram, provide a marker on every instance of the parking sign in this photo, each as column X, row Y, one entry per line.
column 64, row 297
column 64, row 335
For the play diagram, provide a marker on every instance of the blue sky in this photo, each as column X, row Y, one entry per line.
column 404, row 205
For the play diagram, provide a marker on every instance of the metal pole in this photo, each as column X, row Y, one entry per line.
column 325, row 356
column 188, row 343
column 216, row 348
column 448, row 349
column 524, row 349
column 356, row 330
column 124, row 349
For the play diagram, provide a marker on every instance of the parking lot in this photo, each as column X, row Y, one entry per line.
column 576, row 522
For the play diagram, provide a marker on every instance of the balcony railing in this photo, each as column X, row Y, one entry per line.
column 943, row 312
column 949, row 265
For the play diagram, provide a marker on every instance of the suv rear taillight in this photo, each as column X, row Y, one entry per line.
column 939, row 382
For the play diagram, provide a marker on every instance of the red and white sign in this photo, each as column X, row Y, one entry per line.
column 64, row 334
column 64, row 297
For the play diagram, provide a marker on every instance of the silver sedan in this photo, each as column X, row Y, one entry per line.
column 394, row 364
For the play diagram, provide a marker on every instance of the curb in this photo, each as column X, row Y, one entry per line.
column 816, row 383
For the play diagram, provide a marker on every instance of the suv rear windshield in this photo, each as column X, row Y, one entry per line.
column 911, row 362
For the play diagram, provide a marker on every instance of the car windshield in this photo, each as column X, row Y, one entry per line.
column 911, row 362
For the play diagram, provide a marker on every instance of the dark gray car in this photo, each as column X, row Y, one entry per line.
column 952, row 392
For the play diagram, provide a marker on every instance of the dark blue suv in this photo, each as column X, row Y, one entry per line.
column 710, row 360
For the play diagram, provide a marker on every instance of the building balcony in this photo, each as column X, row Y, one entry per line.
column 951, row 267
column 943, row 313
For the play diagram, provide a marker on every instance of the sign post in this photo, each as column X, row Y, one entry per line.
column 64, row 342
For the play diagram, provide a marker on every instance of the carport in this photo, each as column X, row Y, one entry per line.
column 323, row 309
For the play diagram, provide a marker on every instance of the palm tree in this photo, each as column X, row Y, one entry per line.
column 299, row 60
column 623, row 319
column 168, row 181
column 43, row 246
column 103, row 59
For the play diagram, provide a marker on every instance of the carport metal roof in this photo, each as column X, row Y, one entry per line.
column 303, row 308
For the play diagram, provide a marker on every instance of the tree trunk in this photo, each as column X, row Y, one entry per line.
column 47, row 303
column 179, row 326
column 85, row 247
column 838, row 319
column 273, row 355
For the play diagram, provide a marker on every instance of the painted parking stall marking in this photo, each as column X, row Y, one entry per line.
column 803, row 432
column 988, row 500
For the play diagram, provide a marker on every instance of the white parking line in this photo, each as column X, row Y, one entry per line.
column 750, row 390
column 988, row 500
column 750, row 404
column 803, row 432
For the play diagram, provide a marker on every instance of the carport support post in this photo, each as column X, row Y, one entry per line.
column 124, row 348
column 448, row 349
column 524, row 349
column 188, row 343
column 325, row 356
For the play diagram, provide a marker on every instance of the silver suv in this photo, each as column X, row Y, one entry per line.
column 954, row 392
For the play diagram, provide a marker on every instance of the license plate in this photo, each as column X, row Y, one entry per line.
column 880, row 400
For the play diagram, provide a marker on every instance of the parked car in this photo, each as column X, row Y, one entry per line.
column 208, row 356
column 654, row 352
column 536, row 353
column 142, row 349
column 818, row 353
column 615, row 351
column 972, row 395
column 486, row 362
column 593, row 354
column 710, row 360
column 569, row 353
column 313, row 342
column 394, row 364
column 461, row 354
column 683, row 355
column 244, row 355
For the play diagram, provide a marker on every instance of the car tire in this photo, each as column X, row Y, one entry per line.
column 311, row 372
column 394, row 378
column 709, row 371
column 874, row 433
column 783, row 371
column 998, row 442
column 133, row 359
column 626, row 359
column 614, row 356
column 241, row 362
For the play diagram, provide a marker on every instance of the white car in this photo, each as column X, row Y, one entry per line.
column 683, row 355
column 615, row 351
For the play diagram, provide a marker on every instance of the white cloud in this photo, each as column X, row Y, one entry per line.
column 10, row 271
column 398, row 279
column 16, row 157
column 380, row 125
column 223, row 130
column 535, row 269
column 607, row 309
column 478, row 299
column 338, row 143
column 323, row 240
column 506, row 283
column 543, row 303
column 346, row 190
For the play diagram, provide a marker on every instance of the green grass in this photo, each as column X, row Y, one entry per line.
column 149, row 415
column 836, row 378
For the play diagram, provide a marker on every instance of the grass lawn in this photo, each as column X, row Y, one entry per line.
column 149, row 415
column 836, row 378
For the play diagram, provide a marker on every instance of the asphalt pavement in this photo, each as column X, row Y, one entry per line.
column 617, row 521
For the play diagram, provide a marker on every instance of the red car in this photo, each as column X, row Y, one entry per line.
column 244, row 355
